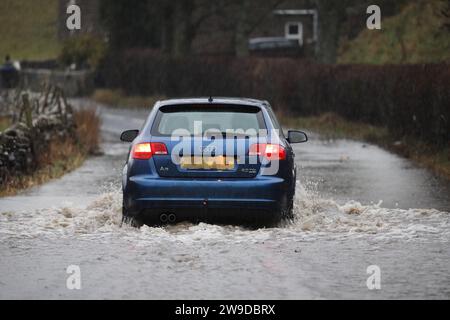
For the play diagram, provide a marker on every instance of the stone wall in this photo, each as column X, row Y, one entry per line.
column 40, row 119
column 74, row 83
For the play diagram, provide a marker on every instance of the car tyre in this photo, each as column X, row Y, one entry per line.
column 130, row 220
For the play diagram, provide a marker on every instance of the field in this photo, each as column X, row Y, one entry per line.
column 28, row 29
column 416, row 35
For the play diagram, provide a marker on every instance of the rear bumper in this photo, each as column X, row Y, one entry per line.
column 260, row 197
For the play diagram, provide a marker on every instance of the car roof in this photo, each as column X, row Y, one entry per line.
column 214, row 100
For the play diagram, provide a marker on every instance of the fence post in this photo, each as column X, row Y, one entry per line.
column 47, row 89
column 27, row 109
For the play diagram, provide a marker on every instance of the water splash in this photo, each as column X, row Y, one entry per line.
column 314, row 217
column 314, row 214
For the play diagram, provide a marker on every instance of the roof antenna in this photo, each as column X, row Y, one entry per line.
column 210, row 99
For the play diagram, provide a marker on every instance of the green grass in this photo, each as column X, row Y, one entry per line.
column 419, row 27
column 29, row 29
column 331, row 126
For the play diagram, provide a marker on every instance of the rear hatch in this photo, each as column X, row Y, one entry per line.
column 208, row 141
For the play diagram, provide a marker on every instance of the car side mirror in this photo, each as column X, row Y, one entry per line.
column 129, row 135
column 295, row 136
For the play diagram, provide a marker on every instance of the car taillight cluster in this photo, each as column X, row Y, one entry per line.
column 268, row 151
column 144, row 151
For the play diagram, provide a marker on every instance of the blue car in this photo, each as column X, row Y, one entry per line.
column 216, row 160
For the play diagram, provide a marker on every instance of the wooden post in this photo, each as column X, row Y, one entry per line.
column 68, row 107
column 47, row 92
column 27, row 110
column 62, row 113
column 52, row 100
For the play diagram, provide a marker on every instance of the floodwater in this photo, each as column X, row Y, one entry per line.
column 356, row 206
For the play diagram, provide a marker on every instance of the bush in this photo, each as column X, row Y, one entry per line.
column 87, row 124
column 410, row 100
column 83, row 51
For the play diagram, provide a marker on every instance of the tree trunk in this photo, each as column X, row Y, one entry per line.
column 167, row 30
column 182, row 28
column 242, row 31
column 331, row 17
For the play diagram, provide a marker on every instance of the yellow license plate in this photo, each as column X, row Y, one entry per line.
column 207, row 163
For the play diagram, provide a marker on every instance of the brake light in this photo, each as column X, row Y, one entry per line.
column 268, row 151
column 158, row 148
column 144, row 151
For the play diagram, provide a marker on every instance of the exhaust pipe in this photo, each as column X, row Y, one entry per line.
column 172, row 218
column 163, row 218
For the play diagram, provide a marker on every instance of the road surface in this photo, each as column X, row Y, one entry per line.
column 356, row 206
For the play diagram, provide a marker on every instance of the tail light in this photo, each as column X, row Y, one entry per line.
column 268, row 151
column 144, row 151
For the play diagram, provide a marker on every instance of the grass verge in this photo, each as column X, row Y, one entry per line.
column 118, row 99
column 60, row 164
column 62, row 156
column 331, row 126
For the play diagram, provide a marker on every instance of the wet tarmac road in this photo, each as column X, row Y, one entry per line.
column 356, row 205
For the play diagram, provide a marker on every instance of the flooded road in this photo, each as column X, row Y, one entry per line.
column 356, row 206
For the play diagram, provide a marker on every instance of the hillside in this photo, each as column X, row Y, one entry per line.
column 28, row 29
column 416, row 35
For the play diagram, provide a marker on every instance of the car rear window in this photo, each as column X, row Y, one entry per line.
column 210, row 118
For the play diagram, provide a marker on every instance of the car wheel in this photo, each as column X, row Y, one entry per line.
column 128, row 219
